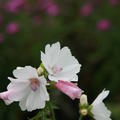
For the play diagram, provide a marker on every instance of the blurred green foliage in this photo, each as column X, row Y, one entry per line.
column 97, row 51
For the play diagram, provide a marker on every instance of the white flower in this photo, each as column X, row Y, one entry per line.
column 99, row 110
column 27, row 88
column 59, row 63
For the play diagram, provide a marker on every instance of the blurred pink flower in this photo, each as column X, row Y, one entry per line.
column 103, row 25
column 52, row 9
column 1, row 38
column 69, row 88
column 86, row 9
column 49, row 6
column 14, row 6
column 12, row 28
column 114, row 2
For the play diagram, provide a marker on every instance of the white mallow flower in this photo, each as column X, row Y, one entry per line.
column 99, row 110
column 27, row 88
column 59, row 63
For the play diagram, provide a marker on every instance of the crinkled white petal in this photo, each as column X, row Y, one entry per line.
column 19, row 91
column 65, row 58
column 75, row 78
column 22, row 103
column 8, row 102
column 65, row 74
column 46, row 62
column 101, row 97
column 36, row 99
column 60, row 58
column 99, row 110
column 25, row 73
column 43, row 88
column 52, row 52
column 18, row 80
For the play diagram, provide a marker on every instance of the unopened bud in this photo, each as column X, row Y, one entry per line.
column 83, row 99
column 84, row 112
column 40, row 71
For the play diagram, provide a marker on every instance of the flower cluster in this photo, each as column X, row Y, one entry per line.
column 59, row 69
column 29, row 84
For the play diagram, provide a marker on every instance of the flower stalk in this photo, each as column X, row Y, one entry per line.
column 51, row 110
column 80, row 117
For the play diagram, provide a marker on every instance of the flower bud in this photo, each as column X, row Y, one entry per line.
column 69, row 88
column 83, row 99
column 40, row 71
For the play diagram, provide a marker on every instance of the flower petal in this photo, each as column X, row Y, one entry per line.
column 99, row 110
column 4, row 96
column 35, row 101
column 18, row 91
column 25, row 73
column 101, row 97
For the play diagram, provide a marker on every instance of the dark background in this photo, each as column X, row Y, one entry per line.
column 91, row 29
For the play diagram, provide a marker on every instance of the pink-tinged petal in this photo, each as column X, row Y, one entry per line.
column 69, row 88
column 4, row 96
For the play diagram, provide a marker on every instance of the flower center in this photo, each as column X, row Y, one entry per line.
column 56, row 69
column 34, row 84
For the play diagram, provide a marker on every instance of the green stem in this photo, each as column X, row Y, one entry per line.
column 43, row 114
column 40, row 115
column 51, row 110
column 81, row 117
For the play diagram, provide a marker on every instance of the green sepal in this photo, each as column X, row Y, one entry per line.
column 89, row 111
column 88, row 108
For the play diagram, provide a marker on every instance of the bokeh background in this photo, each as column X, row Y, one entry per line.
column 91, row 29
